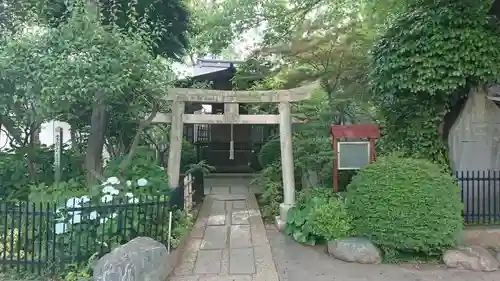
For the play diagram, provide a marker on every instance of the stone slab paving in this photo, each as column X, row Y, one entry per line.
column 228, row 241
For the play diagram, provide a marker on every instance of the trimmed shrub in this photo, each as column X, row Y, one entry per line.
column 406, row 206
column 270, row 153
column 330, row 220
column 269, row 179
column 318, row 216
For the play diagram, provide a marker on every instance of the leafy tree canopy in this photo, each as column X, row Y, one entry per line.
column 168, row 20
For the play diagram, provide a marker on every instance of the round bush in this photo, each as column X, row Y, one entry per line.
column 270, row 153
column 406, row 206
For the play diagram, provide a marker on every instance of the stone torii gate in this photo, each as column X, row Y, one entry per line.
column 231, row 100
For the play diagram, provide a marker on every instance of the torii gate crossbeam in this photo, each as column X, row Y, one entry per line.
column 231, row 99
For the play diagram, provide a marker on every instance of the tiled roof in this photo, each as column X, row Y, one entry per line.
column 205, row 66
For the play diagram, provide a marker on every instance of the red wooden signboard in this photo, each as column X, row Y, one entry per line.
column 355, row 131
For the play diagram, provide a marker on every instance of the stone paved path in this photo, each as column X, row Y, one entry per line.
column 228, row 241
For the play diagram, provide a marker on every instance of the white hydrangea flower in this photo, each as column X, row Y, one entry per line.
column 60, row 228
column 113, row 215
column 60, row 215
column 103, row 220
column 142, row 182
column 84, row 199
column 129, row 195
column 128, row 183
column 77, row 217
column 106, row 198
column 93, row 215
column 73, row 202
column 108, row 189
column 113, row 180
column 133, row 200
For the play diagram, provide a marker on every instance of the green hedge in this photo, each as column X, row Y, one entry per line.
column 270, row 153
column 318, row 216
column 406, row 206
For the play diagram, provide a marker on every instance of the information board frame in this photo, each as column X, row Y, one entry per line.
column 368, row 154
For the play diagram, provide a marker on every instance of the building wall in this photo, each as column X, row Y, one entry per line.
column 47, row 135
column 474, row 145
column 474, row 138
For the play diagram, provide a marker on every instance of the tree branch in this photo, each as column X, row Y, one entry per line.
column 142, row 125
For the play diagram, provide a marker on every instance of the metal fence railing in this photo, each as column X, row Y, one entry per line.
column 480, row 191
column 46, row 237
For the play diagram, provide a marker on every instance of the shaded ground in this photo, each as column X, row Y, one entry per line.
column 295, row 262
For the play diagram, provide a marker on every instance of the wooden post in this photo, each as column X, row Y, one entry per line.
column 372, row 150
column 286, row 158
column 335, row 172
column 58, row 143
column 175, row 149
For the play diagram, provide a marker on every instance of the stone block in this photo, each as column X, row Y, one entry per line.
column 241, row 261
column 208, row 262
column 359, row 250
column 141, row 259
column 474, row 258
column 215, row 238
column 279, row 223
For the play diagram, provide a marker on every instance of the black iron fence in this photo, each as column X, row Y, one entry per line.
column 480, row 191
column 47, row 237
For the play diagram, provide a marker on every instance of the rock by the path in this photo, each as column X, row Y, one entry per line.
column 280, row 225
column 474, row 258
column 355, row 249
column 140, row 259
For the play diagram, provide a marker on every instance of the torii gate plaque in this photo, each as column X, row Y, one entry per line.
column 231, row 99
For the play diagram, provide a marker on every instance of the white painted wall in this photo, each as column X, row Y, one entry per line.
column 47, row 135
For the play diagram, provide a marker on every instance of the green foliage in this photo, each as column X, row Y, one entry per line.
column 10, row 246
column 200, row 167
column 188, row 156
column 55, row 192
column 167, row 19
column 16, row 179
column 270, row 182
column 143, row 166
column 330, row 220
column 297, row 224
column 406, row 206
column 182, row 223
column 117, row 63
column 425, row 60
column 270, row 153
column 83, row 72
column 318, row 216
column 113, row 214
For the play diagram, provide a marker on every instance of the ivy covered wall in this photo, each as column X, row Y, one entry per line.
column 426, row 63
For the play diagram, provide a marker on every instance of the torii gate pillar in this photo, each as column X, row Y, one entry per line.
column 286, row 161
column 175, row 149
column 231, row 99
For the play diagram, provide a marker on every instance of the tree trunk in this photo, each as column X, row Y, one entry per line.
column 135, row 143
column 95, row 142
column 34, row 141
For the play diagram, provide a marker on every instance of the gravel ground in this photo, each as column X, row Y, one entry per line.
column 295, row 262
